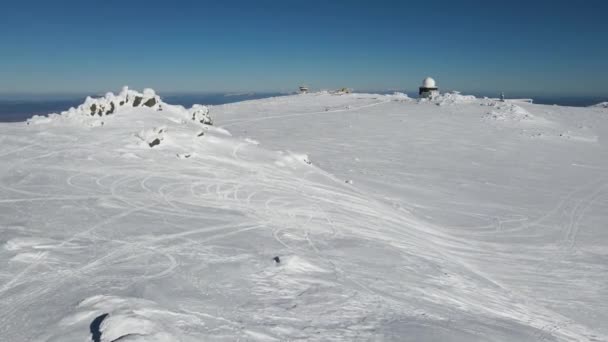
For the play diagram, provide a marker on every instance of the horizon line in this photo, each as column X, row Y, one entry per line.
column 295, row 91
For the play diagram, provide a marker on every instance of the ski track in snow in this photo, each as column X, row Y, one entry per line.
column 384, row 258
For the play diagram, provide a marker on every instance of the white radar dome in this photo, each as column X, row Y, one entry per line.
column 428, row 83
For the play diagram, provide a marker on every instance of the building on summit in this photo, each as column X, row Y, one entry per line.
column 428, row 89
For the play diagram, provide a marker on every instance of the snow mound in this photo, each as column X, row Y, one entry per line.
column 503, row 111
column 152, row 137
column 296, row 264
column 29, row 257
column 453, row 98
column 577, row 136
column 18, row 244
column 97, row 108
column 600, row 105
column 397, row 96
column 292, row 160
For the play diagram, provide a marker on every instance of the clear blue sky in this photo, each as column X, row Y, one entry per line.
column 535, row 47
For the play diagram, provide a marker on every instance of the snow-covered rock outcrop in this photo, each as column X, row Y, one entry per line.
column 110, row 104
column 600, row 105
column 200, row 114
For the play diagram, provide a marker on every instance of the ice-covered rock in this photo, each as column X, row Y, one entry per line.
column 96, row 108
column 200, row 114
column 110, row 103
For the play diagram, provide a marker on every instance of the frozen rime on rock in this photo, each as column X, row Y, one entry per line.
column 108, row 104
column 200, row 113
column 127, row 98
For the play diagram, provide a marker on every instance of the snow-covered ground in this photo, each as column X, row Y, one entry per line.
column 456, row 219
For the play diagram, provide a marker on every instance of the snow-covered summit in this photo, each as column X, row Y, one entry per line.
column 391, row 220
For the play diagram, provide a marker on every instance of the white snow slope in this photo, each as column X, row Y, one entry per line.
column 458, row 219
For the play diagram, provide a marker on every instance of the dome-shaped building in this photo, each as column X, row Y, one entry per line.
column 428, row 89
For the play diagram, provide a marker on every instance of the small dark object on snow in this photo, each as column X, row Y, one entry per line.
column 154, row 142
column 201, row 134
column 277, row 260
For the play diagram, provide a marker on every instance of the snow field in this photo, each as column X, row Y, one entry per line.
column 453, row 225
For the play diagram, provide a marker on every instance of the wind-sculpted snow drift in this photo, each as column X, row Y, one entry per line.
column 130, row 219
column 452, row 98
column 507, row 112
